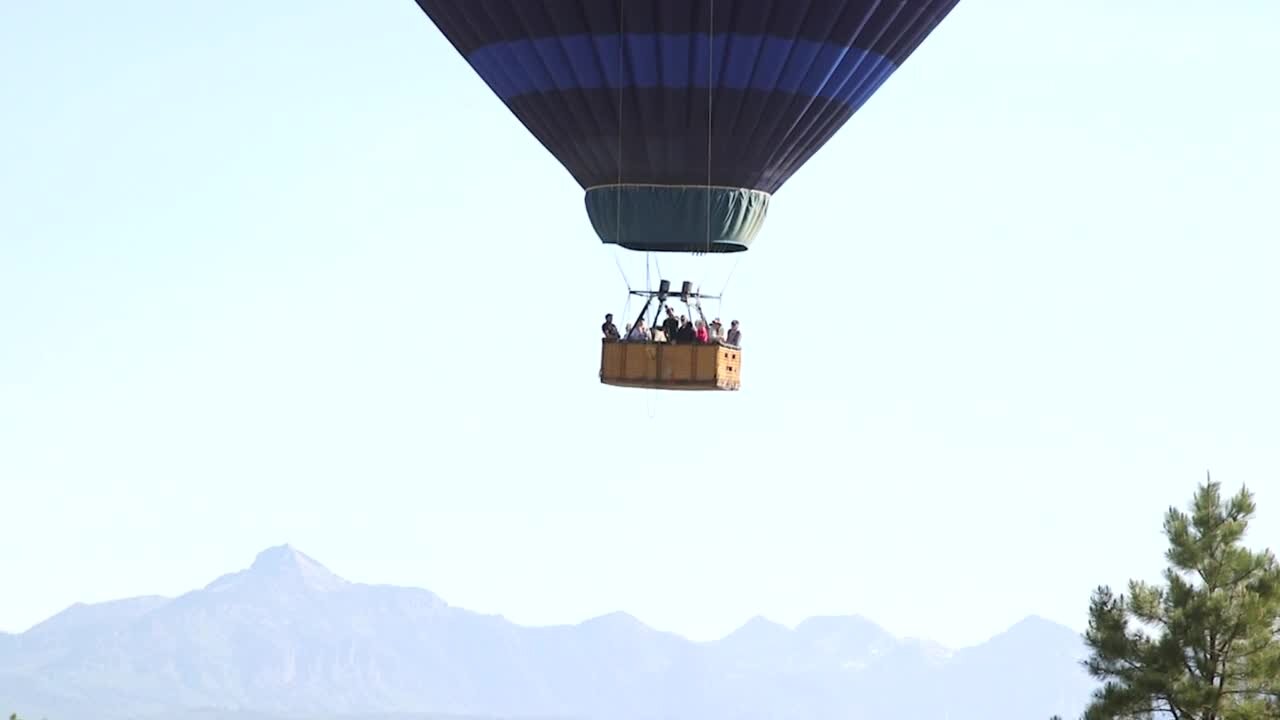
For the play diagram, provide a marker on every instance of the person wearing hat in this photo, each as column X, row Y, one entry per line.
column 717, row 330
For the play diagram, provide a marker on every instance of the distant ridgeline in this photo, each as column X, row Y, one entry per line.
column 286, row 638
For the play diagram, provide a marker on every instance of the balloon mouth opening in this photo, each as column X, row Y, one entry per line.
column 679, row 219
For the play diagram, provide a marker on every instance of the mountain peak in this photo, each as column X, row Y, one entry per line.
column 618, row 616
column 284, row 565
column 1028, row 634
column 616, row 621
column 760, row 623
column 828, row 623
column 287, row 561
column 1037, row 625
column 1037, row 621
column 758, row 629
column 280, row 556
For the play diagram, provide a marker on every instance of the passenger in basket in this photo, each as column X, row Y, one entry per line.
column 639, row 333
column 734, row 337
column 686, row 333
column 671, row 326
column 609, row 329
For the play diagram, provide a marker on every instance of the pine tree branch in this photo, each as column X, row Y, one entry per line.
column 1172, row 709
column 1255, row 692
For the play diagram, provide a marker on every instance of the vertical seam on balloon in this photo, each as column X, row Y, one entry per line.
column 777, row 134
column 590, row 157
column 809, row 128
column 596, row 153
column 622, row 13
column 819, row 131
column 778, row 154
column 536, row 119
column 773, row 137
column 752, row 82
column 711, row 93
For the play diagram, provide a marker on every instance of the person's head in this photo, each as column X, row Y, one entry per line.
column 734, row 324
column 670, row 312
column 608, row 317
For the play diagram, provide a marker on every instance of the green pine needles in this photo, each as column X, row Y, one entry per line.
column 1206, row 644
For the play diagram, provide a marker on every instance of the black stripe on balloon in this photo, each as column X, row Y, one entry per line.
column 755, row 144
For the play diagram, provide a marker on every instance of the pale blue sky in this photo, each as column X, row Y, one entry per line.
column 255, row 288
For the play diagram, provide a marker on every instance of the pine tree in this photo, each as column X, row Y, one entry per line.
column 1206, row 645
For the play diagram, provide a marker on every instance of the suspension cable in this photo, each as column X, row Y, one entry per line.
column 733, row 270
column 623, row 273
column 711, row 92
column 617, row 193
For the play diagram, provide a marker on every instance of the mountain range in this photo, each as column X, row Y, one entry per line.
column 287, row 638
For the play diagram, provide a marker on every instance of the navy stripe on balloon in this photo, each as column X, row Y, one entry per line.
column 891, row 28
column 670, row 61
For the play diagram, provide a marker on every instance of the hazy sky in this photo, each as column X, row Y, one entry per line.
column 256, row 287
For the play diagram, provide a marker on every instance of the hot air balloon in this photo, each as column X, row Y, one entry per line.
column 681, row 118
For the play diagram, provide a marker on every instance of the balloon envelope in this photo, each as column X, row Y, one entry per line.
column 681, row 118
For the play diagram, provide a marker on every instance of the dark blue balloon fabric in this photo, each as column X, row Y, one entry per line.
column 651, row 96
